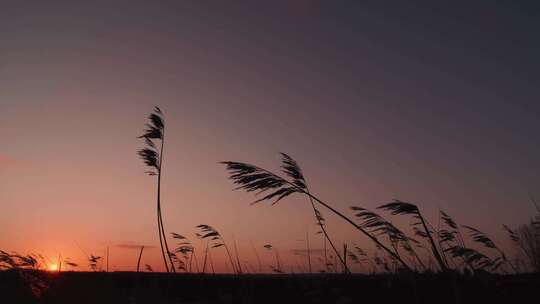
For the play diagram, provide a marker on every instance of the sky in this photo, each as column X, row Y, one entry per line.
column 431, row 103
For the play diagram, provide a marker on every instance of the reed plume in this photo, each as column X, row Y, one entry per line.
column 93, row 261
column 185, row 248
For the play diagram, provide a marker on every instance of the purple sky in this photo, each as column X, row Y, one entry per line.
column 433, row 105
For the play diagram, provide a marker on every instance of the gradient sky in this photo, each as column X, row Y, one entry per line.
column 376, row 100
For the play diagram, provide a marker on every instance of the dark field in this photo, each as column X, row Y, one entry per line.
column 129, row 287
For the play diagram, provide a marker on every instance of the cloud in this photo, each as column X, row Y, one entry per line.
column 304, row 251
column 4, row 159
column 10, row 162
column 134, row 246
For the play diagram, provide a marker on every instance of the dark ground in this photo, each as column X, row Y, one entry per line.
column 156, row 288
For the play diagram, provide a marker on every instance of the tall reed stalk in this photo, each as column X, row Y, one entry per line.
column 153, row 158
column 257, row 256
column 237, row 257
column 308, row 252
column 139, row 259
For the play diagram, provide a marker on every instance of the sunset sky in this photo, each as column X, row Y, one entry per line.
column 375, row 100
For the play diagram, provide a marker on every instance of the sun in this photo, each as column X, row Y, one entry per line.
column 53, row 267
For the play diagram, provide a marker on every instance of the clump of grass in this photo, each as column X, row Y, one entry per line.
column 18, row 261
column 186, row 250
column 526, row 238
column 398, row 207
column 93, row 261
column 480, row 237
column 363, row 258
column 445, row 244
column 399, row 251
column 378, row 228
column 27, row 267
column 209, row 232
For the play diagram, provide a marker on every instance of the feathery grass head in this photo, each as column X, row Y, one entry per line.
column 474, row 257
column 512, row 234
column 377, row 225
column 184, row 246
column 446, row 236
column 72, row 264
column 448, row 233
column 148, row 268
column 6, row 260
column 480, row 237
column 28, row 261
column 398, row 207
column 290, row 167
column 154, row 131
column 254, row 179
column 448, row 220
column 251, row 178
column 527, row 238
column 150, row 158
column 93, row 261
column 207, row 231
column 178, row 236
column 210, row 233
column 360, row 251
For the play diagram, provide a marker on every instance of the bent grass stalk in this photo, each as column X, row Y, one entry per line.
column 139, row 259
column 253, row 178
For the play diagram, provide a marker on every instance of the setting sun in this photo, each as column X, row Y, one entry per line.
column 53, row 267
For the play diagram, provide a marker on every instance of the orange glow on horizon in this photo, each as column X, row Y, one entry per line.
column 53, row 267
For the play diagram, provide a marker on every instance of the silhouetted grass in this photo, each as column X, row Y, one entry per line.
column 527, row 239
column 255, row 179
column 209, row 232
column 449, row 271
column 446, row 245
column 153, row 158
